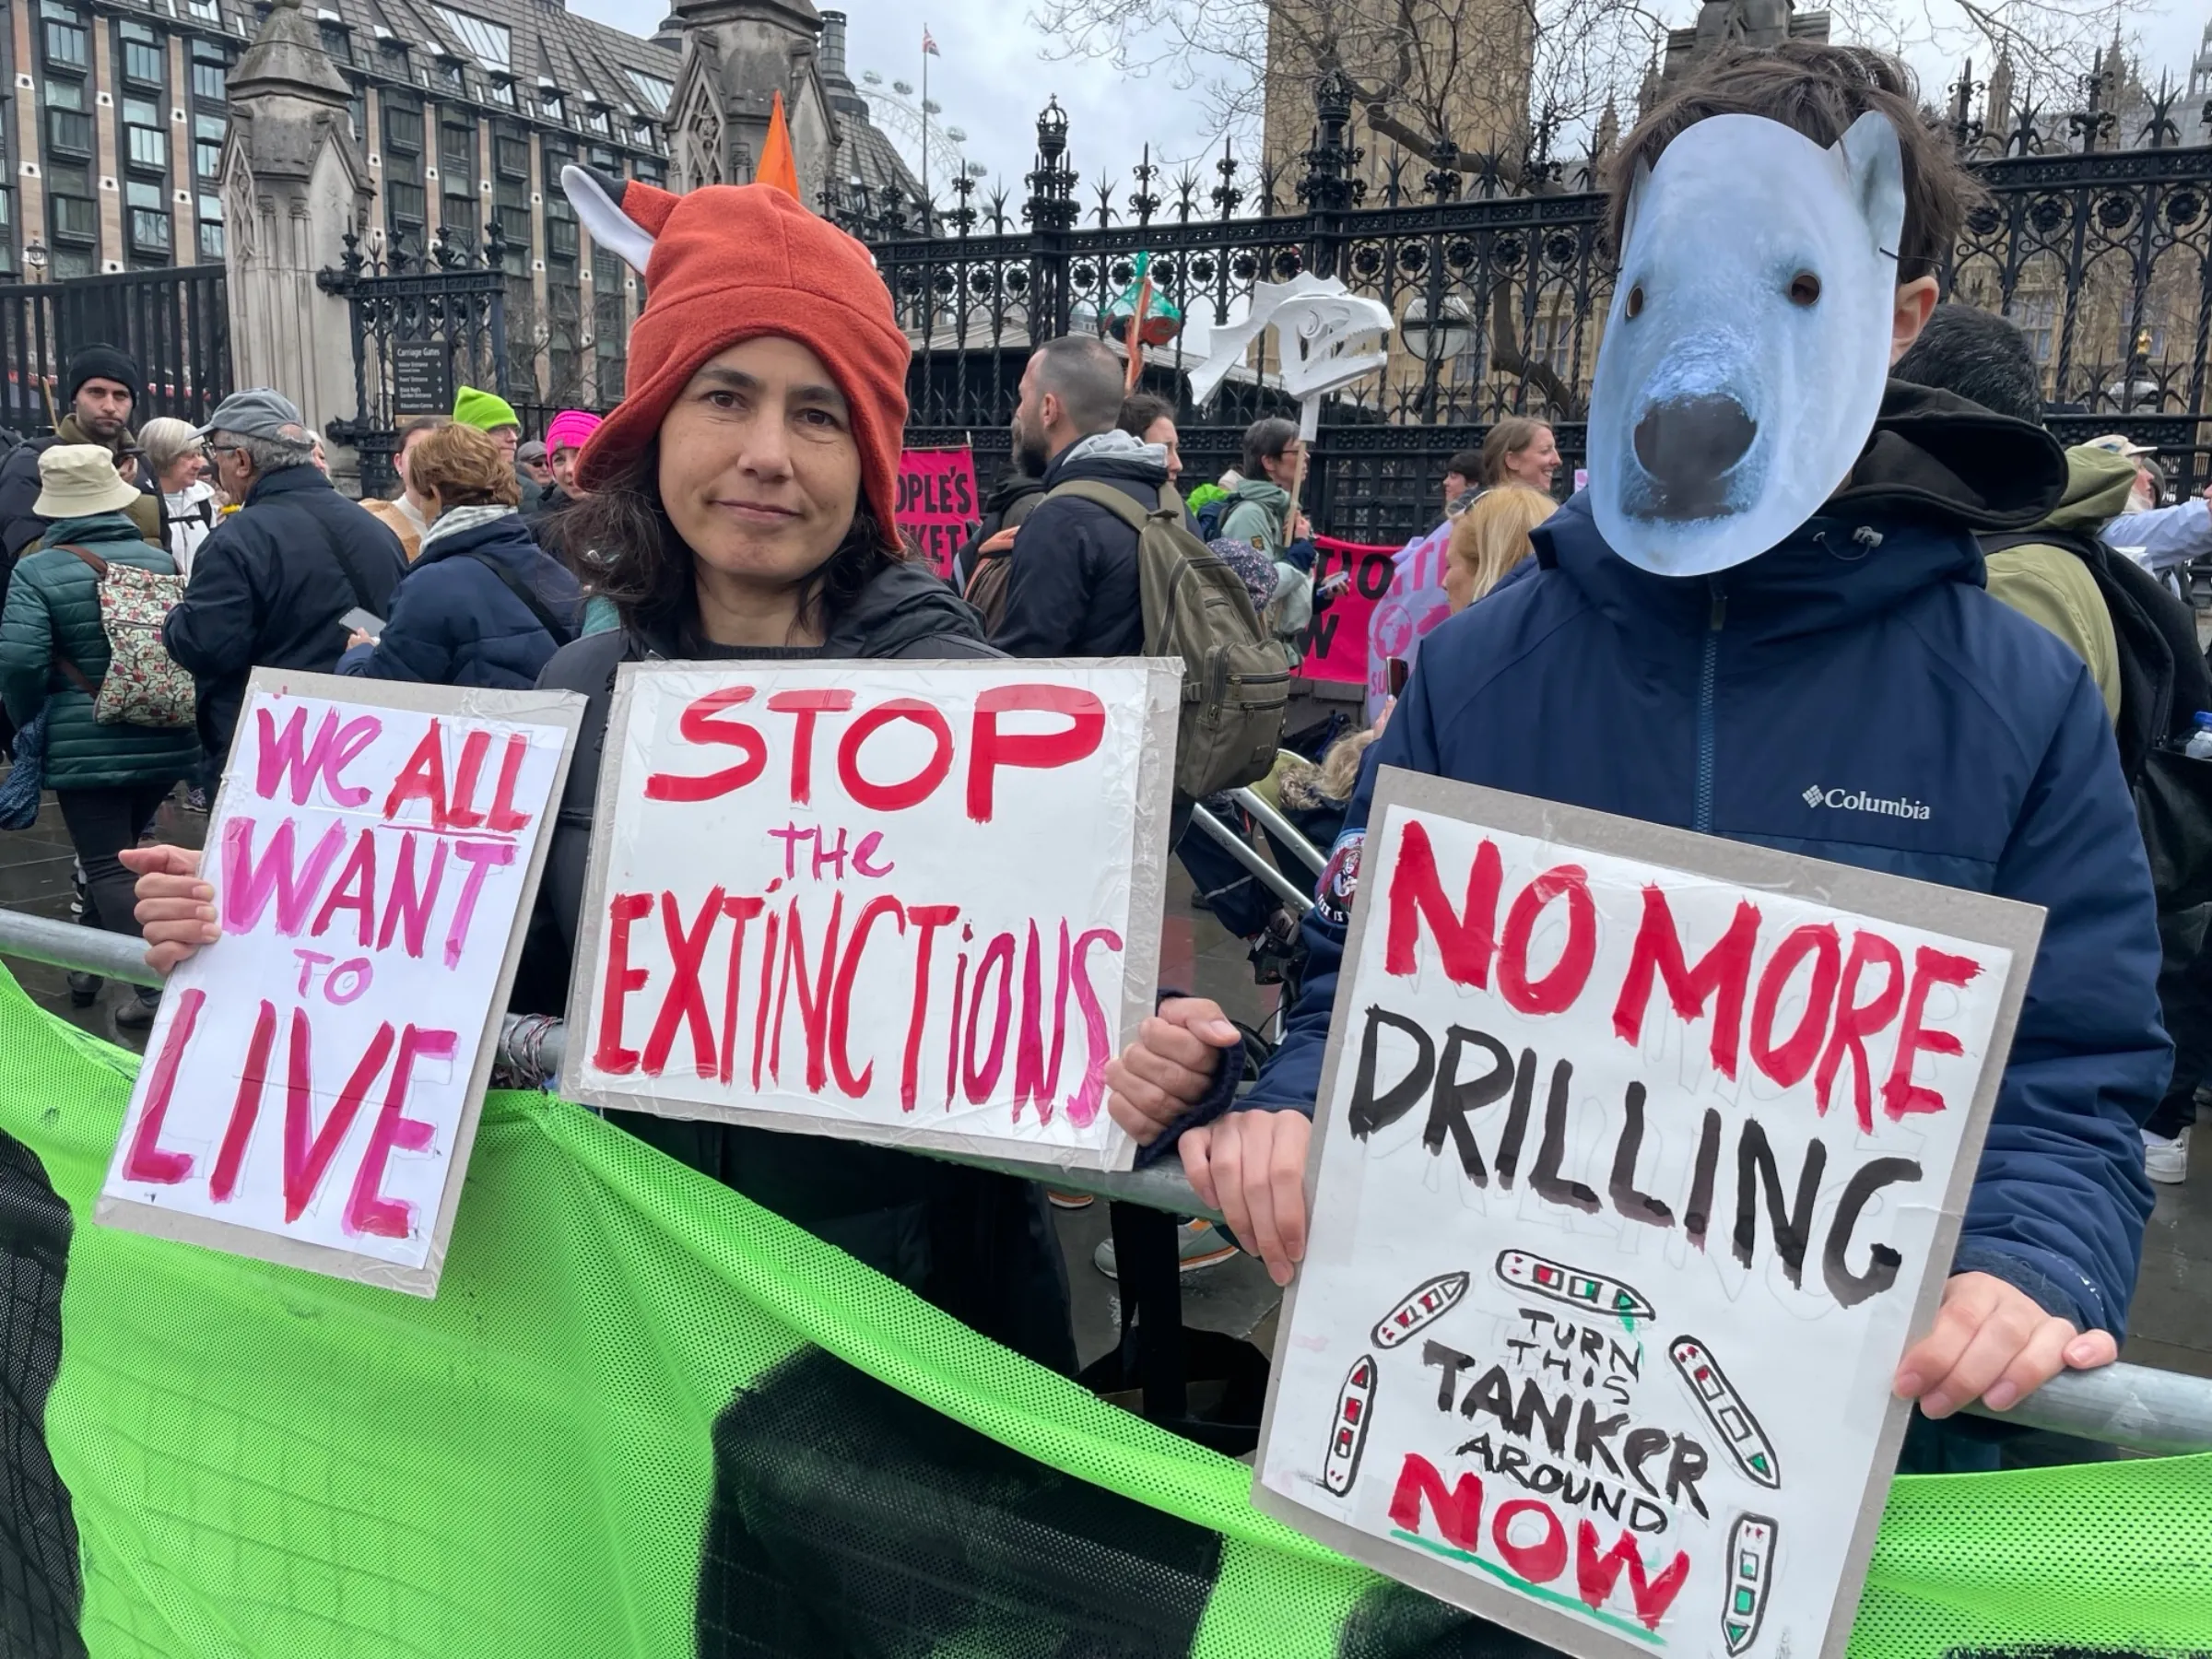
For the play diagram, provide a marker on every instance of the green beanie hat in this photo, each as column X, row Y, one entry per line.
column 487, row 411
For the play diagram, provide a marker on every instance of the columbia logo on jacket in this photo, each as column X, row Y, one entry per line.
column 1853, row 800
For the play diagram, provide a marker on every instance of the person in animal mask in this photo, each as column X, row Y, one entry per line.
column 1775, row 578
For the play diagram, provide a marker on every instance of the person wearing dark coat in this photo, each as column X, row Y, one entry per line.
column 1072, row 586
column 104, row 389
column 481, row 605
column 108, row 779
column 744, row 494
column 271, row 586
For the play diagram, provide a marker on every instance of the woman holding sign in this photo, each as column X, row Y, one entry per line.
column 743, row 496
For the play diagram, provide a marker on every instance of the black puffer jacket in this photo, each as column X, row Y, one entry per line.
column 269, row 586
column 979, row 1245
column 1072, row 587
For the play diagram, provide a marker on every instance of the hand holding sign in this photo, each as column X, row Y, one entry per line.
column 176, row 909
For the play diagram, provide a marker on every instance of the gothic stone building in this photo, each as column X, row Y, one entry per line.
column 113, row 118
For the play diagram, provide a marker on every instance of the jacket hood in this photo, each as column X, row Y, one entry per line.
column 1269, row 495
column 1110, row 456
column 2097, row 484
column 1936, row 469
column 99, row 527
column 1011, row 488
column 901, row 607
column 1934, row 455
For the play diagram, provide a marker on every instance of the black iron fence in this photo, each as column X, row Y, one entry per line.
column 1497, row 274
column 422, row 329
column 175, row 322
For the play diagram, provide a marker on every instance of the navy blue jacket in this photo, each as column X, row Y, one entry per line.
column 454, row 622
column 268, row 586
column 1718, row 704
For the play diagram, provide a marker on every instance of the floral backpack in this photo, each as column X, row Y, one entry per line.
column 143, row 686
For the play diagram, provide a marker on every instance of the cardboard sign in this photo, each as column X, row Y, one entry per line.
column 1640, row 1157
column 937, row 501
column 313, row 1077
column 1416, row 602
column 1336, row 646
column 896, row 902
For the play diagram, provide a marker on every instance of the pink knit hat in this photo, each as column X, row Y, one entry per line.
column 568, row 429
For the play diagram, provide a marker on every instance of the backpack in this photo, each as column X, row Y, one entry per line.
column 143, row 686
column 987, row 585
column 2164, row 680
column 1236, row 685
column 1210, row 516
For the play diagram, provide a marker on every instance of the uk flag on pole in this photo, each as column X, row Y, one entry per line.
column 929, row 43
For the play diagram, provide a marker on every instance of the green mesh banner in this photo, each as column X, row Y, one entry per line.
column 643, row 1416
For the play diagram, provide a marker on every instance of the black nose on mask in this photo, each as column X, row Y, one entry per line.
column 1687, row 445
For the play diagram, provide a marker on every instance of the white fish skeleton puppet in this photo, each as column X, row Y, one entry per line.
column 1745, row 356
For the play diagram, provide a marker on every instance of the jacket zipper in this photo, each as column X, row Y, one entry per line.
column 1708, row 683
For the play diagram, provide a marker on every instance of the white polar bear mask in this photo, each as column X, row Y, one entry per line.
column 1747, row 345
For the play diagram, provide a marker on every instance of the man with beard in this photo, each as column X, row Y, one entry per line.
column 103, row 389
column 1071, row 581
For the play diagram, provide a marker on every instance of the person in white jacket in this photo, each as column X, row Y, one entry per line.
column 176, row 464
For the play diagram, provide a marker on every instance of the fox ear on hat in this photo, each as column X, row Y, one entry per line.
column 623, row 214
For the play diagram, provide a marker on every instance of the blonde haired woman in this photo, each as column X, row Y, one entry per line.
column 1489, row 538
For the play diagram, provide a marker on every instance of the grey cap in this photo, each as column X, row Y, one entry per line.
column 259, row 413
column 533, row 451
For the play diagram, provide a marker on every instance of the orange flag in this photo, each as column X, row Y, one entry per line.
column 778, row 165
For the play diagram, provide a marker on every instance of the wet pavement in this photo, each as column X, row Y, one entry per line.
column 2171, row 1325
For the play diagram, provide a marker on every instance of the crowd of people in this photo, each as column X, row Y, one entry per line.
column 739, row 505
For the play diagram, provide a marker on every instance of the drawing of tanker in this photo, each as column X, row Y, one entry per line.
column 1592, row 1292
column 1725, row 1408
column 1423, row 1305
column 1750, row 1572
column 1347, row 1434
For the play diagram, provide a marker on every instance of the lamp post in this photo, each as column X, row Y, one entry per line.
column 1435, row 328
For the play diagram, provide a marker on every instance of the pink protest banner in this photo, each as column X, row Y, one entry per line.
column 937, row 501
column 1337, row 649
column 313, row 1077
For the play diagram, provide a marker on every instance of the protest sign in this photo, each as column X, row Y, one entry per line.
column 1639, row 1155
column 899, row 903
column 1336, row 646
column 1416, row 602
column 937, row 501
column 313, row 1077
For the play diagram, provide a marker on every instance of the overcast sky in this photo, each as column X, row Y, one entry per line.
column 993, row 76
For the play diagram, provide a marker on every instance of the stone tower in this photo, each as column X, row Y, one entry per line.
column 737, row 54
column 1754, row 23
column 293, row 184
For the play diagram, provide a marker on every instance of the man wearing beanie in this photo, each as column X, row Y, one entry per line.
column 103, row 391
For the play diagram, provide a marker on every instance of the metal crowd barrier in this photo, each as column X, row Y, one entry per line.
column 2134, row 1407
